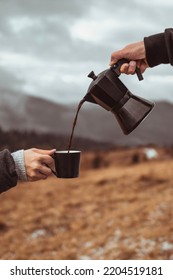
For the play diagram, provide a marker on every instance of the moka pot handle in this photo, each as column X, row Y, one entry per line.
column 116, row 67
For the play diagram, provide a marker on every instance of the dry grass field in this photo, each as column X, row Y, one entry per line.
column 121, row 207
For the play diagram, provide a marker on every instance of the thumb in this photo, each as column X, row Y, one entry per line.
column 44, row 152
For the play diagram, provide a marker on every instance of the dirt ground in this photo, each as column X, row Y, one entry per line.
column 121, row 207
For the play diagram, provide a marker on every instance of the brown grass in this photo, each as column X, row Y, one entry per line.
column 116, row 210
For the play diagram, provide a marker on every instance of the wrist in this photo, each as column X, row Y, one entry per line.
column 18, row 157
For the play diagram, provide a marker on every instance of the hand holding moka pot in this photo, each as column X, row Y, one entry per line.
column 109, row 92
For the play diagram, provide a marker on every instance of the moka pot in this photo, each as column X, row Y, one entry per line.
column 108, row 91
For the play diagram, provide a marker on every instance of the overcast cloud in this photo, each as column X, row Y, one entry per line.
column 48, row 47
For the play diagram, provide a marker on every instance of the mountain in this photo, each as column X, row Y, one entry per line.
column 22, row 112
column 27, row 113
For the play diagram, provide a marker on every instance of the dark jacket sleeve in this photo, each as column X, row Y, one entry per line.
column 8, row 175
column 159, row 48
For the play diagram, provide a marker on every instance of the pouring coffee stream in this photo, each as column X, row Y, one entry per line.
column 74, row 123
column 109, row 92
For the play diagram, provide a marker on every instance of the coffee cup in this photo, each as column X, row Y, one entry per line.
column 67, row 164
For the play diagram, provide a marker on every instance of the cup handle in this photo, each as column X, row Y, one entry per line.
column 54, row 172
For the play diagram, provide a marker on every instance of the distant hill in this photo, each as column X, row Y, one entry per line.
column 26, row 113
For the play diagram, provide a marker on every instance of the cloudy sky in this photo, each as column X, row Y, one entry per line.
column 48, row 47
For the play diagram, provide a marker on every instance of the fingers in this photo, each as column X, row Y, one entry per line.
column 132, row 67
column 45, row 170
column 143, row 65
column 128, row 68
column 40, row 171
column 47, row 160
column 38, row 164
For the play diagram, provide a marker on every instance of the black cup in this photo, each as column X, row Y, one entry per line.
column 67, row 164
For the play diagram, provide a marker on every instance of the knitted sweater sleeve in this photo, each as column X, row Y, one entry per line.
column 159, row 48
column 8, row 175
column 20, row 167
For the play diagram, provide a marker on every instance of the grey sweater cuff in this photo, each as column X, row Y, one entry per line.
column 18, row 157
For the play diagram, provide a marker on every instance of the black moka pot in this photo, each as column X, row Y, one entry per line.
column 109, row 92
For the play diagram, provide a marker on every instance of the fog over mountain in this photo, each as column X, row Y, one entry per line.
column 27, row 113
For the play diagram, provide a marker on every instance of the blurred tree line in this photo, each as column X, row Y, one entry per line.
column 15, row 140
